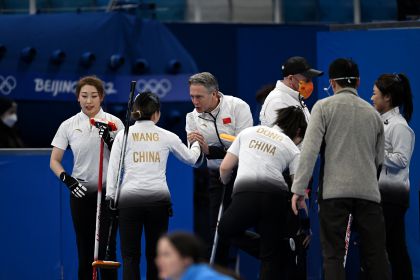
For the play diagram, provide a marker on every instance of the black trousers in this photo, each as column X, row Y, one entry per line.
column 369, row 220
column 267, row 212
column 215, row 198
column 83, row 212
column 395, row 241
column 132, row 220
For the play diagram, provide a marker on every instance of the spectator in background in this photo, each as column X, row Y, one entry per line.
column 9, row 137
column 180, row 256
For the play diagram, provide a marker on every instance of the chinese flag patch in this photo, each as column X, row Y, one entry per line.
column 227, row 120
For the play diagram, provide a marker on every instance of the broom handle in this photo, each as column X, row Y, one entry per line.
column 347, row 239
column 124, row 142
column 98, row 208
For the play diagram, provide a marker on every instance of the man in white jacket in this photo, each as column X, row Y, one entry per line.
column 215, row 113
column 295, row 86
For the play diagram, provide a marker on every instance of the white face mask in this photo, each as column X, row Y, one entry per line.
column 10, row 120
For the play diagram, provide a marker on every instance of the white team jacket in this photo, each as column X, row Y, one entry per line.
column 232, row 116
column 144, row 176
column 280, row 97
column 394, row 181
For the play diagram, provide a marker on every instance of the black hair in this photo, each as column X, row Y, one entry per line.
column 344, row 68
column 145, row 105
column 292, row 121
column 187, row 245
column 397, row 87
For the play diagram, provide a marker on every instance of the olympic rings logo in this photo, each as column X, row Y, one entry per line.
column 7, row 84
column 159, row 87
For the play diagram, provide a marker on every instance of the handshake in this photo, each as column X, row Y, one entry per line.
column 76, row 189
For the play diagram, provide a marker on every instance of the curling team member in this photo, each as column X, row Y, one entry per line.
column 144, row 200
column 390, row 93
column 84, row 141
column 260, row 193
column 295, row 87
column 215, row 113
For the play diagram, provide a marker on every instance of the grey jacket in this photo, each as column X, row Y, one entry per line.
column 350, row 136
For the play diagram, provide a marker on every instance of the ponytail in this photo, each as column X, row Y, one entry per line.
column 407, row 97
column 145, row 105
column 397, row 86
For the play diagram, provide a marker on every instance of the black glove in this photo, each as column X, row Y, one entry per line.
column 106, row 136
column 216, row 152
column 77, row 189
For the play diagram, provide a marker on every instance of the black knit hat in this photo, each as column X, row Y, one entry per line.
column 5, row 104
column 298, row 65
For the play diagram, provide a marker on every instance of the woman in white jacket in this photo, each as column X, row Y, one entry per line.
column 391, row 93
column 144, row 200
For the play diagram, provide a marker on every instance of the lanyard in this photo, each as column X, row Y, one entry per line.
column 214, row 118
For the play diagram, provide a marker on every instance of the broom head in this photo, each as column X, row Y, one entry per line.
column 106, row 264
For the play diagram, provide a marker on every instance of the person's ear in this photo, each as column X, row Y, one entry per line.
column 357, row 83
column 387, row 98
column 333, row 84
